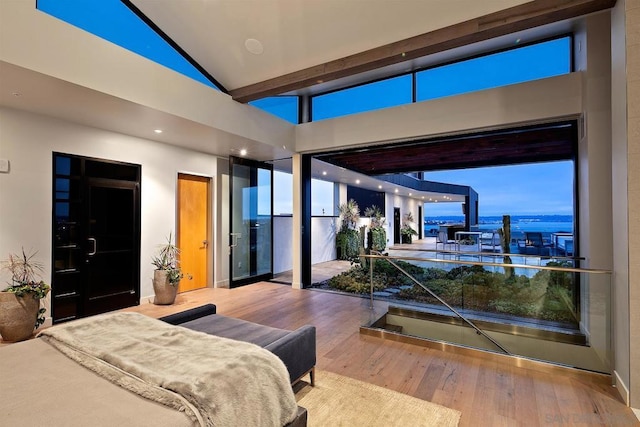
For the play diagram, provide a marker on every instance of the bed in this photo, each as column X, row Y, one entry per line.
column 128, row 369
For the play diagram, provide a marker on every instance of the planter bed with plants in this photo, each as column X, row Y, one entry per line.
column 544, row 296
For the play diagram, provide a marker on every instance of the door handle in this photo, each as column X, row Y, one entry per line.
column 95, row 246
column 235, row 237
column 205, row 243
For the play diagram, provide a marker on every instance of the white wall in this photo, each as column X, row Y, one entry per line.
column 37, row 41
column 282, row 244
column 28, row 140
column 323, row 239
column 489, row 108
column 406, row 205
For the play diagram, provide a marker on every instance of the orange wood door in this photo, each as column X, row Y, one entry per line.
column 193, row 230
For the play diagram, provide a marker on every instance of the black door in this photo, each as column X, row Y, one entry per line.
column 420, row 223
column 251, row 221
column 396, row 225
column 96, row 229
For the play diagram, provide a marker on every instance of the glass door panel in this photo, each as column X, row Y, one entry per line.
column 250, row 239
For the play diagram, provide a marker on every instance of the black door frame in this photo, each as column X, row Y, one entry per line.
column 396, row 225
column 69, row 296
column 252, row 268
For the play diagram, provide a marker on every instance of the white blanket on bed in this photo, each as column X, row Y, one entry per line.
column 216, row 381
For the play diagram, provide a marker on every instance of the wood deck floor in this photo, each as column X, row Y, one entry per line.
column 487, row 394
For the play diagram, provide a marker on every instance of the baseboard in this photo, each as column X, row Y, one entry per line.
column 636, row 412
column 223, row 284
column 147, row 300
column 623, row 391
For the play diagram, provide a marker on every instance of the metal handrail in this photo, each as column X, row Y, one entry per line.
column 490, row 254
column 493, row 264
column 443, row 302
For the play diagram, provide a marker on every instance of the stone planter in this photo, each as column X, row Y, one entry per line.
column 165, row 292
column 18, row 316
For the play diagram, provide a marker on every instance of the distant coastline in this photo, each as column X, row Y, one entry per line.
column 519, row 223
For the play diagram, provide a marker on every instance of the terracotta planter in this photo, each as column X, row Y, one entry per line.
column 165, row 292
column 17, row 316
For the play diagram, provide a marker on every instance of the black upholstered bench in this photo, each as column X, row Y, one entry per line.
column 297, row 349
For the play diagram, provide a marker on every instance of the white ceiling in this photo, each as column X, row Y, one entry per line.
column 297, row 34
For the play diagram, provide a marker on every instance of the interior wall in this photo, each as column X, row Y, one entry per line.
column 37, row 41
column 537, row 100
column 28, row 140
column 632, row 32
column 221, row 229
column 620, row 201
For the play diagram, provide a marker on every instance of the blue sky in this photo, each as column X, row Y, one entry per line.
column 523, row 189
column 530, row 189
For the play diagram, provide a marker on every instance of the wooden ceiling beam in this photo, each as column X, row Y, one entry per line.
column 518, row 18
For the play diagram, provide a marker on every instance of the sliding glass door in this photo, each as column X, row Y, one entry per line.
column 250, row 218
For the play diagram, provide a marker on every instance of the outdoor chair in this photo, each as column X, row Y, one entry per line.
column 533, row 244
column 443, row 238
column 490, row 242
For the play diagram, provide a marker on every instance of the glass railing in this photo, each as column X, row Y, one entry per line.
column 553, row 312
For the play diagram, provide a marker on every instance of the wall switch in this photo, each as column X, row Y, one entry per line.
column 4, row 166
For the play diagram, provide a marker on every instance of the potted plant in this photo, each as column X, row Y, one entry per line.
column 406, row 231
column 21, row 309
column 348, row 238
column 377, row 236
column 168, row 274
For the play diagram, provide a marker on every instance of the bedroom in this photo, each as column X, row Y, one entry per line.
column 29, row 137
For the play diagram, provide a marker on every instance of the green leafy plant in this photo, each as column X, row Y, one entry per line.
column 348, row 238
column 349, row 214
column 377, row 238
column 25, row 279
column 406, row 231
column 167, row 260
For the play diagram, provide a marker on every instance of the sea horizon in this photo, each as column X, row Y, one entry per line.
column 550, row 223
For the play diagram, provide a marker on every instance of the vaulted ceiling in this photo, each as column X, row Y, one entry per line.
column 301, row 44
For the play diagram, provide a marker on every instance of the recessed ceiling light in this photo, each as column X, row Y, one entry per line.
column 380, row 187
column 411, row 194
column 357, row 181
column 324, row 172
column 157, row 130
column 396, row 190
column 243, row 152
column 254, row 46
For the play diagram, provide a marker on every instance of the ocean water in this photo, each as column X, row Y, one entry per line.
column 546, row 224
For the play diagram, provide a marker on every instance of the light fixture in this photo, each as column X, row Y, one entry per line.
column 357, row 181
column 324, row 172
column 396, row 190
column 157, row 130
column 254, row 46
column 243, row 152
column 379, row 187
column 411, row 194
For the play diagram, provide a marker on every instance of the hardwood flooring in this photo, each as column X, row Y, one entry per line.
column 485, row 391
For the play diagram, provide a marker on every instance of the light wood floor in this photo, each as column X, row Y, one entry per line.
column 486, row 393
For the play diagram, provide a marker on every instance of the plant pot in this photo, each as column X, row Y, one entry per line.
column 165, row 292
column 406, row 238
column 17, row 316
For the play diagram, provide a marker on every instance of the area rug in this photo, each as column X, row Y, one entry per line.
column 341, row 401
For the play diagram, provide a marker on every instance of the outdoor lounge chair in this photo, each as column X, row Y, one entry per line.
column 443, row 238
column 533, row 244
